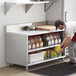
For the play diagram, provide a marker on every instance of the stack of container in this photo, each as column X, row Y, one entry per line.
column 35, row 42
column 51, row 39
column 52, row 53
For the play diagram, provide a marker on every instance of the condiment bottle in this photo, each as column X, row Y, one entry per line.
column 49, row 53
column 36, row 42
column 49, row 41
column 52, row 38
column 55, row 39
column 46, row 40
column 40, row 42
column 32, row 42
column 46, row 55
column 29, row 44
column 58, row 37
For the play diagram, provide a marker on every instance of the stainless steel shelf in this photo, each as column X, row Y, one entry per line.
column 17, row 46
column 51, row 46
column 34, row 63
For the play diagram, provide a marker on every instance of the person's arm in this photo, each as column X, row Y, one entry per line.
column 63, row 41
column 68, row 39
column 68, row 34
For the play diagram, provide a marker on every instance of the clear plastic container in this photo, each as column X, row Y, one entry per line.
column 29, row 44
column 52, row 39
column 46, row 40
column 36, row 42
column 40, row 42
column 58, row 37
column 55, row 38
column 51, row 36
column 46, row 55
column 32, row 43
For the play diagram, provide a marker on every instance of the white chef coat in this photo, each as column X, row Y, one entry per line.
column 70, row 28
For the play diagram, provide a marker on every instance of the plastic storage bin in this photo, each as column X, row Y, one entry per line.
column 36, row 57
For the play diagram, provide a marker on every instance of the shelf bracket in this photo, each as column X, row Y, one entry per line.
column 1, row 5
column 7, row 7
column 47, row 6
column 28, row 6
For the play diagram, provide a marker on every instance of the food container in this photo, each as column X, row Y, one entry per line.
column 53, row 54
column 46, row 40
column 57, row 51
column 35, row 57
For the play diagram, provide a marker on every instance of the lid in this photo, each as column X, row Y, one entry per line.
column 57, row 33
column 53, row 33
column 30, row 37
column 45, row 35
column 50, row 34
column 35, row 36
column 38, row 36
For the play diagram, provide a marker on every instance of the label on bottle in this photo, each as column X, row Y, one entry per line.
column 51, row 37
column 37, row 45
column 59, row 40
column 54, row 37
column 33, row 46
column 49, row 42
column 41, row 44
column 52, row 42
column 47, row 38
column 29, row 47
column 56, row 41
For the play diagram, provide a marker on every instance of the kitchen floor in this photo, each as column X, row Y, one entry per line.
column 16, row 70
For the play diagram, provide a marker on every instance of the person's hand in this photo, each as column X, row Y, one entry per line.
column 60, row 45
column 55, row 47
column 61, row 50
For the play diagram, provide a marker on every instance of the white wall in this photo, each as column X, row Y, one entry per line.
column 71, row 10
column 55, row 11
column 17, row 15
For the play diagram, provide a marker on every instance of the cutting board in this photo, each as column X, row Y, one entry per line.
column 46, row 27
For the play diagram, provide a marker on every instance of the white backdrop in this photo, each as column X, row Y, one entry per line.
column 17, row 15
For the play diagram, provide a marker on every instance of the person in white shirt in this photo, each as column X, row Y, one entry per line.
column 70, row 38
